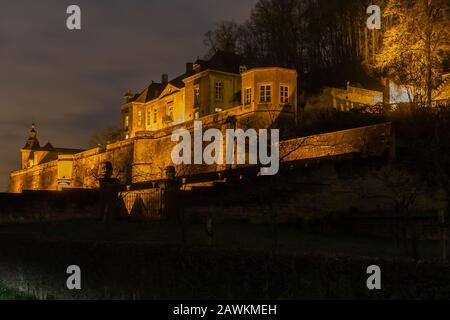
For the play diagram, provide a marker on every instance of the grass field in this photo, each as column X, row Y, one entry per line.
column 6, row 294
column 237, row 236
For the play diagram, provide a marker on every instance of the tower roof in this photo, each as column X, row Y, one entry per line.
column 48, row 147
column 32, row 141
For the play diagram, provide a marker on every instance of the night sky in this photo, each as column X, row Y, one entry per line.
column 71, row 83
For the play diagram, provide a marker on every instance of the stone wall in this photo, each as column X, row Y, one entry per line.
column 368, row 141
column 145, row 157
column 40, row 177
column 353, row 97
column 86, row 165
column 85, row 169
column 152, row 151
column 348, row 194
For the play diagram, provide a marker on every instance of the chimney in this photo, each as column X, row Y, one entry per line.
column 189, row 67
column 164, row 79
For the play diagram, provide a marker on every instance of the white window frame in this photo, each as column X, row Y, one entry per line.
column 263, row 97
column 247, row 96
column 149, row 116
column 155, row 115
column 284, row 99
column 139, row 118
column 219, row 88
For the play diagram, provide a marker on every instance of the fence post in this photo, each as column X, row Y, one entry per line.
column 170, row 191
column 109, row 190
column 444, row 235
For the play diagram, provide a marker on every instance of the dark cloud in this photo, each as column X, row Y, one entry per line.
column 71, row 82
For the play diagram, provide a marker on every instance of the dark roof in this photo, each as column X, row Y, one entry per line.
column 155, row 88
column 32, row 144
column 178, row 81
column 48, row 147
column 53, row 153
column 32, row 141
column 221, row 61
column 68, row 150
column 151, row 92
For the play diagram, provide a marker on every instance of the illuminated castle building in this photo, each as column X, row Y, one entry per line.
column 220, row 92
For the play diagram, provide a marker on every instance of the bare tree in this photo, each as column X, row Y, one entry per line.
column 416, row 43
column 224, row 37
column 401, row 188
column 106, row 136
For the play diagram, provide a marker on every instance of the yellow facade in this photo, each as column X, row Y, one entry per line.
column 205, row 92
column 269, row 89
column 210, row 91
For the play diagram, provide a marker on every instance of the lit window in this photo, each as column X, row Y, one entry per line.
column 219, row 90
column 265, row 94
column 248, row 96
column 242, row 69
column 127, row 122
column 284, row 94
column 139, row 118
column 170, row 112
column 218, row 110
column 155, row 115
column 149, row 114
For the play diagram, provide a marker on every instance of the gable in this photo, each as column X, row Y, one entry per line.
column 168, row 90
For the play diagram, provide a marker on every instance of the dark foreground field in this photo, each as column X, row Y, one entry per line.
column 150, row 261
column 234, row 236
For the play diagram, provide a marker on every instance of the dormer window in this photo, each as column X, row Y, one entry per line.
column 197, row 96
column 127, row 122
column 170, row 111
column 197, row 67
